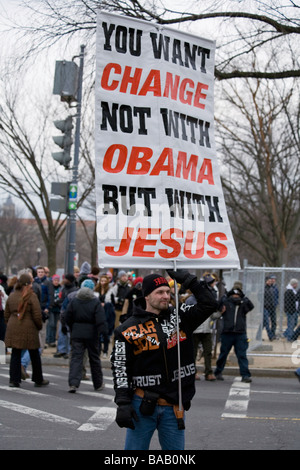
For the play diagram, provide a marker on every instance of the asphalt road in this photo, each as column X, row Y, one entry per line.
column 229, row 415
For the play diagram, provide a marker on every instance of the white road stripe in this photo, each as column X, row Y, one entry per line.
column 236, row 405
column 109, row 385
column 233, row 415
column 23, row 391
column 28, row 380
column 4, row 375
column 90, row 383
column 31, row 392
column 38, row 414
column 237, row 392
column 274, row 392
column 101, row 419
column 97, row 394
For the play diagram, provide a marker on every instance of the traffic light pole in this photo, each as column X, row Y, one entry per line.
column 71, row 232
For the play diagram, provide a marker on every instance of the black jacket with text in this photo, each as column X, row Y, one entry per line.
column 145, row 353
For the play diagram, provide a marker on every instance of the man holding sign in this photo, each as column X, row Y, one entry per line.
column 145, row 362
column 160, row 205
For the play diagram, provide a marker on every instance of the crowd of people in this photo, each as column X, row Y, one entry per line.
column 117, row 296
column 64, row 323
column 75, row 314
column 291, row 304
column 88, row 314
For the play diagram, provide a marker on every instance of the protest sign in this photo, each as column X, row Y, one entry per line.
column 158, row 189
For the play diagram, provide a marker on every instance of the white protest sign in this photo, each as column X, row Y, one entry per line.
column 158, row 189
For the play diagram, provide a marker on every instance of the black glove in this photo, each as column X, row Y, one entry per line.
column 125, row 416
column 45, row 317
column 204, row 295
column 200, row 289
column 182, row 276
column 64, row 330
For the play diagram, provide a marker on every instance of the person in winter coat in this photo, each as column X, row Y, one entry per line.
column 145, row 362
column 46, row 300
column 203, row 333
column 270, row 302
column 54, row 311
column 120, row 290
column 234, row 332
column 24, row 321
column 106, row 297
column 69, row 285
column 296, row 332
column 86, row 319
column 3, row 299
column 291, row 306
column 134, row 293
column 85, row 270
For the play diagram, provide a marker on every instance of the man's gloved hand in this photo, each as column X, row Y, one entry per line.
column 125, row 416
column 200, row 289
column 182, row 276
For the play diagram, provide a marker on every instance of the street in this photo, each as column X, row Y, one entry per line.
column 229, row 415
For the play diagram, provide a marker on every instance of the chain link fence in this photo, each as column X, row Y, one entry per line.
column 275, row 294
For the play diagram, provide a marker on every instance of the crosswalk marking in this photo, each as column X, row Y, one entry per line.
column 23, row 391
column 97, row 394
column 100, row 420
column 90, row 383
column 38, row 413
column 275, row 392
column 102, row 416
column 236, row 405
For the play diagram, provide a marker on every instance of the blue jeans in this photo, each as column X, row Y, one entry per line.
column 270, row 323
column 296, row 334
column 25, row 358
column 164, row 420
column 52, row 327
column 240, row 344
column 63, row 342
column 292, row 320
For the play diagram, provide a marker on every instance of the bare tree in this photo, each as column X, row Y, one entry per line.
column 27, row 168
column 25, row 173
column 265, row 29
column 269, row 26
column 260, row 142
column 14, row 236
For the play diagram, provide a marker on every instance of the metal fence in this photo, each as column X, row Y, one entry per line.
column 254, row 287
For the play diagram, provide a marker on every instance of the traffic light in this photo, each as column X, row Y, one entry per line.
column 65, row 141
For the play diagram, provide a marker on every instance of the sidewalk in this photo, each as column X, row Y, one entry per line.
column 277, row 358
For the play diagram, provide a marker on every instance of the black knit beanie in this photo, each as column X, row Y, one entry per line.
column 152, row 282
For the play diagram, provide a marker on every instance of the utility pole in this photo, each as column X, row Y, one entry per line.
column 71, row 229
column 68, row 84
